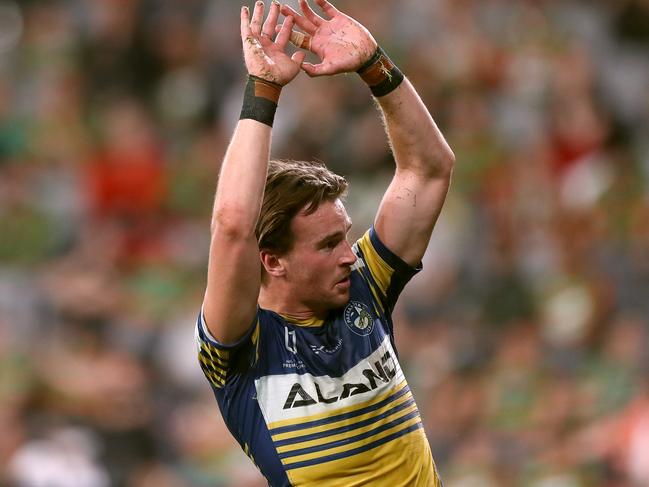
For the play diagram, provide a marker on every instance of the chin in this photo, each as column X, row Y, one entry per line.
column 341, row 300
column 329, row 303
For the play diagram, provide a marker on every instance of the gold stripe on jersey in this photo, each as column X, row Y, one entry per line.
column 215, row 362
column 307, row 445
column 255, row 340
column 312, row 322
column 381, row 271
column 403, row 462
column 214, row 355
column 351, row 446
column 349, row 421
column 328, row 414
column 365, row 430
column 378, row 300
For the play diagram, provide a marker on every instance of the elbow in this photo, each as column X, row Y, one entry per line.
column 446, row 162
column 233, row 223
column 439, row 165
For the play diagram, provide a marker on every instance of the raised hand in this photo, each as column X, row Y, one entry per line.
column 342, row 43
column 264, row 57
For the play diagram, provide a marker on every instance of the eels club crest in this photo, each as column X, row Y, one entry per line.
column 358, row 318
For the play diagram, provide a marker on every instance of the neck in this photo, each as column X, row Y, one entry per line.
column 271, row 299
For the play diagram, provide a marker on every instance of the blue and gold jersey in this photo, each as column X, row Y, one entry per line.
column 326, row 404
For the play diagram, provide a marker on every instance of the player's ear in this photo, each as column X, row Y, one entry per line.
column 272, row 263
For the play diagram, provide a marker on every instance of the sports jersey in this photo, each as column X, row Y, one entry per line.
column 327, row 403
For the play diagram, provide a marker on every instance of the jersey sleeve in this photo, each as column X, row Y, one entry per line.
column 221, row 363
column 384, row 271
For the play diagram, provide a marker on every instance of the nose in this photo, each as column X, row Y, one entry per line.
column 348, row 257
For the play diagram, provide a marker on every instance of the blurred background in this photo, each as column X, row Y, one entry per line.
column 525, row 338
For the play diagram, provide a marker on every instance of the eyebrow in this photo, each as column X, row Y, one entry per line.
column 337, row 234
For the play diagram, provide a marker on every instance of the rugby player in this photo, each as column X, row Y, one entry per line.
column 295, row 334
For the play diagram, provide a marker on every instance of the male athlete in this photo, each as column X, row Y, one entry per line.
column 295, row 334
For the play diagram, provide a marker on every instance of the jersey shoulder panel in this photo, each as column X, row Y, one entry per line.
column 221, row 362
column 384, row 271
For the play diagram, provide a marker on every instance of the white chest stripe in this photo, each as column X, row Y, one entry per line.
column 292, row 396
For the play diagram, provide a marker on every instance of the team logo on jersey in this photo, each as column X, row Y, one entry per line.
column 358, row 318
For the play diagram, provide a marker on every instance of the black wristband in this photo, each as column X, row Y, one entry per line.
column 260, row 100
column 380, row 73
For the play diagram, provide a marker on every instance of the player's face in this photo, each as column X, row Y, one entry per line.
column 319, row 264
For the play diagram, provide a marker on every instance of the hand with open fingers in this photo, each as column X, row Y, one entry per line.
column 264, row 57
column 342, row 44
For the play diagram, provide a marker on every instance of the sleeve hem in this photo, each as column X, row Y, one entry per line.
column 392, row 259
column 205, row 334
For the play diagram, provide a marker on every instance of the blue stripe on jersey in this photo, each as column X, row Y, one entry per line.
column 355, row 451
column 342, row 429
column 333, row 419
column 350, row 439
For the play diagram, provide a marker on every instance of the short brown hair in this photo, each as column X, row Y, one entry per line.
column 290, row 187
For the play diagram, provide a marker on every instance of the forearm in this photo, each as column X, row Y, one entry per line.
column 243, row 174
column 234, row 268
column 424, row 163
column 241, row 181
column 417, row 143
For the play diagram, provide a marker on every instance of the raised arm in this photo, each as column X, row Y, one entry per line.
column 233, row 279
column 424, row 161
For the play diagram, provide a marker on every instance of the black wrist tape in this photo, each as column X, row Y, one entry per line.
column 380, row 73
column 260, row 100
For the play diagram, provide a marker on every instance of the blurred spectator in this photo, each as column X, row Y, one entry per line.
column 127, row 181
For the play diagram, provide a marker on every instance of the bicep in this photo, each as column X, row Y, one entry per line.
column 408, row 212
column 233, row 282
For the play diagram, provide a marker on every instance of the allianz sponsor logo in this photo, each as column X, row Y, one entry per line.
column 381, row 371
column 362, row 381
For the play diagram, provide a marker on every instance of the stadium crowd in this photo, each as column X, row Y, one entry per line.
column 525, row 337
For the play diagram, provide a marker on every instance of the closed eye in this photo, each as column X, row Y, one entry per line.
column 331, row 243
